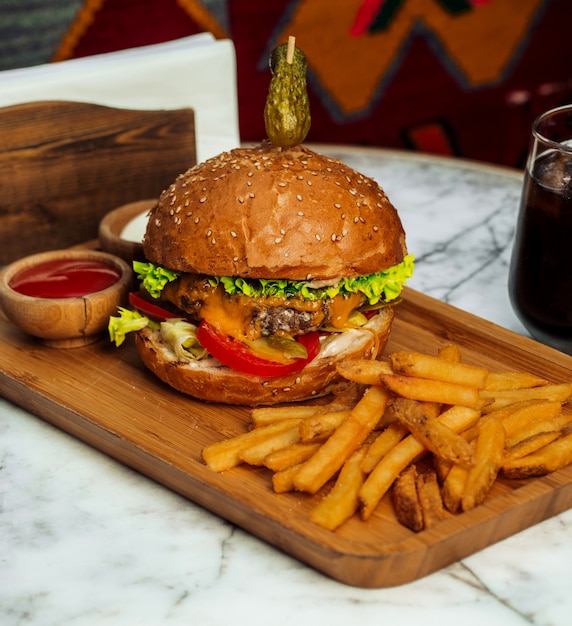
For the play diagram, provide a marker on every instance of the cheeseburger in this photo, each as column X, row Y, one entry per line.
column 266, row 267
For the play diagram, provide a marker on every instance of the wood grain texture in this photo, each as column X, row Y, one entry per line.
column 103, row 396
column 64, row 165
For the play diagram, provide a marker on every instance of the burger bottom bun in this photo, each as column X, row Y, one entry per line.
column 212, row 382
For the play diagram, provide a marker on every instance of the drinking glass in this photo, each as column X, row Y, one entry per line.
column 540, row 278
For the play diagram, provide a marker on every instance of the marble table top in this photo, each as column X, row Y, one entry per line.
column 86, row 541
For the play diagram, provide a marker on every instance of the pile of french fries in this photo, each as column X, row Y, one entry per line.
column 430, row 431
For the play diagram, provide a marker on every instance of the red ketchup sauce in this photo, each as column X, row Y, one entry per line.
column 65, row 278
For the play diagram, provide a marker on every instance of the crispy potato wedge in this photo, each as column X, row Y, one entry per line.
column 489, row 450
column 433, row 434
column 436, row 368
column 399, row 457
column 406, row 500
column 342, row 501
column 454, row 487
column 430, row 499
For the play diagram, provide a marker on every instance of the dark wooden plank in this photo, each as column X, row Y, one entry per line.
column 64, row 165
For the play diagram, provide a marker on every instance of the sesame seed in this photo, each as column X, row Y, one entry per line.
column 278, row 240
column 240, row 199
column 197, row 220
column 299, row 197
column 318, row 238
column 375, row 229
column 213, row 241
column 338, row 205
column 209, row 233
column 301, row 213
column 203, row 199
column 232, row 233
column 333, row 236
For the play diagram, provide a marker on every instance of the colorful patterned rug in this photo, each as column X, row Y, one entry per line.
column 455, row 77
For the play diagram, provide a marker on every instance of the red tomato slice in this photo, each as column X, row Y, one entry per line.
column 152, row 311
column 238, row 355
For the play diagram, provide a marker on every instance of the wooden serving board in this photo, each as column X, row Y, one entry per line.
column 103, row 396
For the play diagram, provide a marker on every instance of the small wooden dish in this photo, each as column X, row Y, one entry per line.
column 112, row 225
column 64, row 322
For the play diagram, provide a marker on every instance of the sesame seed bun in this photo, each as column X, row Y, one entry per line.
column 212, row 382
column 266, row 212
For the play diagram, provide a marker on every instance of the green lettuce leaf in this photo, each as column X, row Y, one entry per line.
column 154, row 277
column 383, row 286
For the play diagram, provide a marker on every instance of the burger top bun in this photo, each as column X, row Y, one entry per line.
column 268, row 212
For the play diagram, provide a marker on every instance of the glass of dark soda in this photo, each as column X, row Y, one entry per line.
column 540, row 278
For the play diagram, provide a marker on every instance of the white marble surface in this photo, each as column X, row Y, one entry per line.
column 85, row 541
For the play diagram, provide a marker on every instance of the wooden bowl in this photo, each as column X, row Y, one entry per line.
column 64, row 322
column 112, row 225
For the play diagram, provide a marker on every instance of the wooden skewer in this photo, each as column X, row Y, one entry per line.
column 290, row 50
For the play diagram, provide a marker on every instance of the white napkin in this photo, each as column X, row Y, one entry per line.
column 196, row 71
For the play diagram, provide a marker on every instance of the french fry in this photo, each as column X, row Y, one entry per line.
column 363, row 371
column 383, row 443
column 538, row 426
column 398, row 458
column 552, row 457
column 559, row 392
column 293, row 454
column 430, row 499
column 321, row 426
column 450, row 352
column 442, row 468
column 426, row 390
column 437, row 368
column 434, row 435
column 454, row 487
column 530, row 445
column 406, row 499
column 489, row 450
column 263, row 416
column 497, row 381
column 283, row 481
column 256, row 454
column 342, row 501
column 317, row 470
column 224, row 455
column 523, row 416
